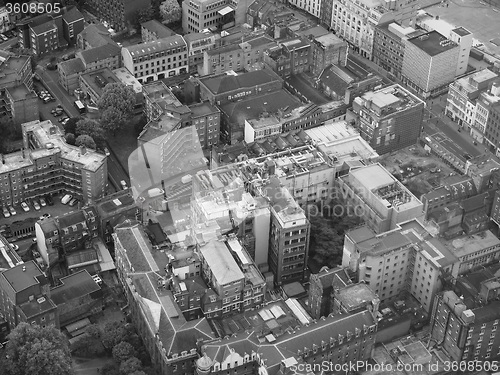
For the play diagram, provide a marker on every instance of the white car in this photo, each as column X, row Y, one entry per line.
column 42, row 202
column 5, row 212
column 12, row 211
column 66, row 198
column 97, row 279
column 14, row 246
column 36, row 205
column 123, row 184
column 25, row 207
column 44, row 216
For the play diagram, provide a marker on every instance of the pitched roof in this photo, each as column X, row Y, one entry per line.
column 72, row 15
column 99, row 53
column 221, row 262
column 71, row 218
column 96, row 35
column 44, row 27
column 156, row 46
column 72, row 66
column 138, row 248
column 225, row 83
column 158, row 28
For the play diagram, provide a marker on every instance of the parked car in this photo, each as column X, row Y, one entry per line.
column 14, row 246
column 4, row 38
column 12, row 211
column 44, row 216
column 25, row 206
column 106, row 151
column 123, row 184
column 51, row 66
column 49, row 200
column 73, row 202
column 33, row 240
column 43, row 203
column 65, row 199
column 5, row 212
column 36, row 206
column 97, row 279
column 65, row 120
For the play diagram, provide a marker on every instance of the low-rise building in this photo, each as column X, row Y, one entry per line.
column 69, row 73
column 292, row 56
column 153, row 30
column 22, row 103
column 26, row 297
column 158, row 59
column 326, row 50
column 206, row 118
column 197, row 44
column 92, row 83
column 94, row 35
column 105, row 56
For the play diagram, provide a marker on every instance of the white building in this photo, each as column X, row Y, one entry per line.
column 128, row 79
column 310, row 6
column 156, row 60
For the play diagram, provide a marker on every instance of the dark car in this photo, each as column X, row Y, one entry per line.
column 50, row 66
column 467, row 157
column 49, row 200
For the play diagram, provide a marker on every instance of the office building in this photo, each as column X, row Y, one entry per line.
column 25, row 296
column 462, row 97
column 312, row 7
column 289, row 235
column 379, row 197
column 466, row 330
column 426, row 63
column 405, row 260
column 488, row 115
column 236, row 56
column 118, row 14
column 326, row 50
column 389, row 46
column 389, row 119
column 156, row 60
column 197, row 44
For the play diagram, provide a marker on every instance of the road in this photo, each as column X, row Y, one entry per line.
column 116, row 172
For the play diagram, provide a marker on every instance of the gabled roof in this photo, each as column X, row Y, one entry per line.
column 44, row 27
column 96, row 35
column 158, row 28
column 221, row 262
column 99, row 53
column 72, row 15
column 159, row 45
column 225, row 83
column 72, row 66
column 71, row 218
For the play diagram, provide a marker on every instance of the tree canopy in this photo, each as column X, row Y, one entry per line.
column 85, row 140
column 113, row 333
column 70, row 125
column 36, row 350
column 170, row 11
column 116, row 105
column 122, row 351
column 130, row 366
column 91, row 128
column 70, row 139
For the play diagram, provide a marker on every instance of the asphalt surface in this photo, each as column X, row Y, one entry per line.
column 49, row 78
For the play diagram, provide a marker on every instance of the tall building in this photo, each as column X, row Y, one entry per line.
column 462, row 97
column 118, row 14
column 156, row 60
column 321, row 286
column 390, row 118
column 379, row 197
column 292, row 56
column 426, row 63
column 312, row 7
column 22, row 103
column 326, row 50
column 488, row 115
column 401, row 261
column 289, row 236
column 25, row 296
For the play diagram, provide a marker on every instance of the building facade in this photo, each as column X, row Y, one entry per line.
column 157, row 60
column 326, row 50
column 118, row 14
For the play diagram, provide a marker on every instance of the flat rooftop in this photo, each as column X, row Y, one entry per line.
column 98, row 79
column 128, row 79
column 24, row 276
column 470, row 244
column 355, row 295
column 373, row 176
column 221, row 262
column 437, row 253
column 433, row 43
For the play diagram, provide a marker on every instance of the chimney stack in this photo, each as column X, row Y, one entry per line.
column 83, row 150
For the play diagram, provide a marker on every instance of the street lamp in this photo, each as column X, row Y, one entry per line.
column 142, row 200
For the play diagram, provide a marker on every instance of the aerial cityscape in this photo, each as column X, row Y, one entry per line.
column 268, row 187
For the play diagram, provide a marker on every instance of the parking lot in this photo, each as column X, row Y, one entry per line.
column 57, row 209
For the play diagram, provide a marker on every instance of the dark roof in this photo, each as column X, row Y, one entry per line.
column 158, row 28
column 331, row 79
column 44, row 27
column 24, row 275
column 86, row 256
column 461, row 31
column 76, row 285
column 96, row 35
column 487, row 313
column 71, row 218
column 475, row 202
column 37, row 306
column 116, row 202
column 133, row 247
column 72, row 66
column 225, row 83
column 432, row 43
column 72, row 15
column 100, row 53
column 238, row 112
column 157, row 232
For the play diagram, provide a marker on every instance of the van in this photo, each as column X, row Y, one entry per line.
column 66, row 198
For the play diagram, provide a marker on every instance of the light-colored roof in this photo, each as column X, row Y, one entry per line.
column 373, row 176
column 159, row 45
column 221, row 262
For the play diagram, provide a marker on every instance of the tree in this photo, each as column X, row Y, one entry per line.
column 144, row 15
column 113, row 120
column 91, row 128
column 94, row 331
column 110, row 368
column 112, row 334
column 122, row 351
column 117, row 96
column 70, row 139
column 37, row 350
column 130, row 366
column 85, row 140
column 70, row 126
column 170, row 11
column 88, row 346
column 138, row 372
